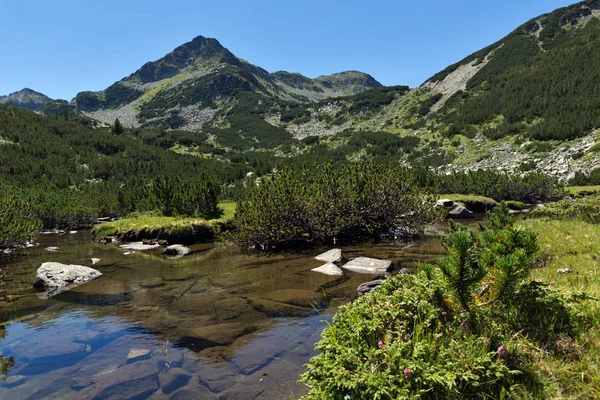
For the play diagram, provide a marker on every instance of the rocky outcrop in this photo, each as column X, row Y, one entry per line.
column 53, row 278
column 365, row 265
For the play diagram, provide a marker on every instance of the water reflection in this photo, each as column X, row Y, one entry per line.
column 214, row 324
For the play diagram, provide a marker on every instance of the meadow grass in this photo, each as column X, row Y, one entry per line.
column 573, row 245
column 576, row 190
column 155, row 223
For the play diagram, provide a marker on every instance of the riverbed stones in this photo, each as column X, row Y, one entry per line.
column 297, row 297
column 332, row 256
column 366, row 265
column 53, row 278
column 329, row 269
column 176, row 251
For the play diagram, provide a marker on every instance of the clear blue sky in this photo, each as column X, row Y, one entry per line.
column 61, row 47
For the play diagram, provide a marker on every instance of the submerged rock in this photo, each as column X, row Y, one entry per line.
column 365, row 265
column 53, row 278
column 332, row 256
column 329, row 269
column 137, row 353
column 368, row 287
column 176, row 250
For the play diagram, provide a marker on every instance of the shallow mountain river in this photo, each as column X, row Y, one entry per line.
column 213, row 324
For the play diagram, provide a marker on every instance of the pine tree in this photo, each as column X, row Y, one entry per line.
column 117, row 128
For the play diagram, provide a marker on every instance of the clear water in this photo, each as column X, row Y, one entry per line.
column 214, row 324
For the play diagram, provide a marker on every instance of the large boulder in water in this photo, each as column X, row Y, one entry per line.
column 53, row 278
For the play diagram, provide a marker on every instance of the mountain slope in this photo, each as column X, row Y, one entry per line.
column 26, row 98
column 187, row 87
column 529, row 101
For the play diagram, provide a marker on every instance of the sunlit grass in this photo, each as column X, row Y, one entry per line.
column 573, row 245
column 151, row 223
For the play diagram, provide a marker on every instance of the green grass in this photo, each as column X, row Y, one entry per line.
column 574, row 245
column 467, row 197
column 577, row 190
column 169, row 226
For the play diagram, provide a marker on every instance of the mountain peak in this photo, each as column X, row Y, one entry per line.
column 195, row 53
column 26, row 98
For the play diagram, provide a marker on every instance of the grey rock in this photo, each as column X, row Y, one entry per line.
column 365, row 265
column 331, row 256
column 368, row 287
column 95, row 261
column 459, row 212
column 176, row 250
column 329, row 269
column 405, row 271
column 51, row 249
column 445, row 203
column 53, row 278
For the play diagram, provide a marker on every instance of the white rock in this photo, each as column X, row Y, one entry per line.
column 139, row 246
column 176, row 250
column 53, row 278
column 95, row 261
column 365, row 265
column 331, row 256
column 329, row 269
column 51, row 249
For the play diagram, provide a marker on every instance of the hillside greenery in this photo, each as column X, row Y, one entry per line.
column 477, row 325
column 324, row 202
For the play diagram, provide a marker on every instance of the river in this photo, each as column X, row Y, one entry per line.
column 215, row 324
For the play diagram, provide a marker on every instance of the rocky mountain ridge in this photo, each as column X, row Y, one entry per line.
column 26, row 98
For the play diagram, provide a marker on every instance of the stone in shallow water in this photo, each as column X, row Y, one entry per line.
column 53, row 278
column 152, row 282
column 365, row 265
column 331, row 256
column 297, row 297
column 329, row 269
column 140, row 246
column 221, row 334
column 137, row 353
column 459, row 212
column 176, row 250
column 51, row 249
column 95, row 261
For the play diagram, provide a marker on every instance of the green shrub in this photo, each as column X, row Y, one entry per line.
column 326, row 202
column 585, row 209
column 18, row 221
column 463, row 330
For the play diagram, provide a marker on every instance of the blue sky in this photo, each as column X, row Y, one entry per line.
column 61, row 47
